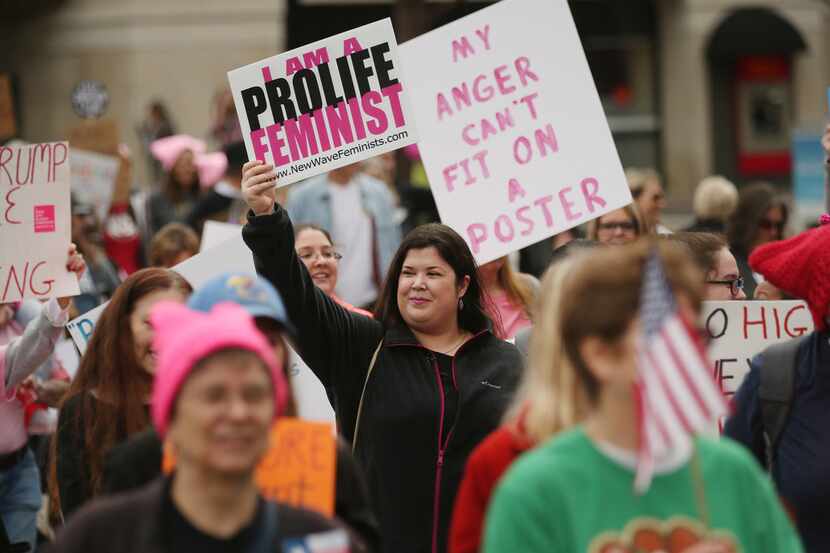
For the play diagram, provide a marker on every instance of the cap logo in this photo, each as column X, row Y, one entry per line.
column 245, row 288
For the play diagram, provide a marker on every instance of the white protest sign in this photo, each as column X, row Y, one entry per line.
column 309, row 393
column 93, row 179
column 739, row 330
column 328, row 104
column 215, row 232
column 512, row 132
column 35, row 226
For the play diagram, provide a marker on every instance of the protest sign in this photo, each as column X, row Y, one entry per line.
column 35, row 229
column 309, row 394
column 95, row 135
column 93, row 179
column 215, row 232
column 325, row 105
column 8, row 121
column 739, row 330
column 299, row 468
column 80, row 328
column 512, row 132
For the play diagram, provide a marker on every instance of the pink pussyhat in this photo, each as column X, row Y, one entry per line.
column 168, row 149
column 184, row 337
column 210, row 166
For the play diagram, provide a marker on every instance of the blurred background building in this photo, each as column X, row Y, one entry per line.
column 690, row 87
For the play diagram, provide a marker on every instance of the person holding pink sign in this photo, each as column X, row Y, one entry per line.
column 415, row 389
column 20, row 497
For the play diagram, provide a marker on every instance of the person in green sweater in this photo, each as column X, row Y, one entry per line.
column 575, row 493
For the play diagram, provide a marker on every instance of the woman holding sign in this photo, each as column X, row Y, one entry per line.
column 415, row 389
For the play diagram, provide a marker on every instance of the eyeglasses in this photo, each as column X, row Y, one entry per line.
column 325, row 255
column 736, row 285
column 626, row 226
column 767, row 224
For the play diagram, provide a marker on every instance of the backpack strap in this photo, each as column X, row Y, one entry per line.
column 269, row 533
column 776, row 391
column 363, row 394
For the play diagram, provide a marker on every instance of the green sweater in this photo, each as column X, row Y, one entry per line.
column 568, row 497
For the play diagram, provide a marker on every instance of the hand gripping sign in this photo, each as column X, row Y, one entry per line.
column 331, row 103
column 35, row 228
column 512, row 132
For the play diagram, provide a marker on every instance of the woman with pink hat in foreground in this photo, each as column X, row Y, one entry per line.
column 187, row 169
column 786, row 423
column 218, row 388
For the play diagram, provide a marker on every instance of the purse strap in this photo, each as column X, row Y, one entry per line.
column 363, row 394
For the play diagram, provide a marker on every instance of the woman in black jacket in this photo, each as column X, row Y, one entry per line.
column 414, row 390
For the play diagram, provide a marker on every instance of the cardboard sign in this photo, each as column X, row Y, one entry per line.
column 328, row 104
column 93, row 179
column 739, row 330
column 309, row 394
column 215, row 232
column 8, row 121
column 95, row 135
column 512, row 132
column 35, row 226
column 299, row 468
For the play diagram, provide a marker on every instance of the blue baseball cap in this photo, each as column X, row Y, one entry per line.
column 255, row 294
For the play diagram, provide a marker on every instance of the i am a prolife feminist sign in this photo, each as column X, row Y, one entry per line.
column 512, row 132
column 328, row 104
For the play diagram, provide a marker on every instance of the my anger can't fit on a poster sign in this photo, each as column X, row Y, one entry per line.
column 328, row 104
column 512, row 132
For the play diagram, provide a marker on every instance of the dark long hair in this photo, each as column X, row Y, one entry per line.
column 455, row 252
column 110, row 368
column 176, row 191
column 753, row 203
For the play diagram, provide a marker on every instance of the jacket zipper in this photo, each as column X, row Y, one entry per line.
column 439, row 463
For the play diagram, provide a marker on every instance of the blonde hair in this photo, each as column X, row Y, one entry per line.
column 638, row 178
column 518, row 289
column 633, row 213
column 715, row 198
column 549, row 398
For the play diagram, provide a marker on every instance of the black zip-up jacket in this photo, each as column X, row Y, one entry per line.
column 413, row 478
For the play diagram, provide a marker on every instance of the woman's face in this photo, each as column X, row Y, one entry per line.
column 184, row 170
column 616, row 228
column 428, row 293
column 771, row 226
column 143, row 331
column 651, row 201
column 223, row 415
column 725, row 271
column 319, row 257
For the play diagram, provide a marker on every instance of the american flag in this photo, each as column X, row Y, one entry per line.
column 676, row 395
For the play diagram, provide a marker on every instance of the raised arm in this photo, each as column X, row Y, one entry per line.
column 25, row 354
column 337, row 345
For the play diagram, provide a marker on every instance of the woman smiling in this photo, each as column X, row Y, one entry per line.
column 414, row 390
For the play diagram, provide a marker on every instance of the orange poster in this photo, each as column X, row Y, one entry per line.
column 8, row 123
column 299, row 466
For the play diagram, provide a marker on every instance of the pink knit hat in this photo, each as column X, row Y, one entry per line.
column 211, row 166
column 184, row 337
column 801, row 267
